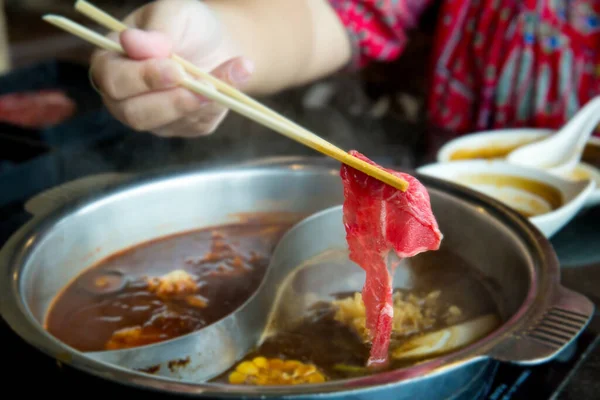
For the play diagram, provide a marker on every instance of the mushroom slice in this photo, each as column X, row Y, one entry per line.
column 447, row 339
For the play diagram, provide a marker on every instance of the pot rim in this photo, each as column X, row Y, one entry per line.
column 19, row 247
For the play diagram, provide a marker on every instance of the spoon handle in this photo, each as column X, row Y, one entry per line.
column 583, row 124
column 562, row 151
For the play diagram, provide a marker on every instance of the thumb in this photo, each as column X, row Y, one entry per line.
column 236, row 71
column 141, row 45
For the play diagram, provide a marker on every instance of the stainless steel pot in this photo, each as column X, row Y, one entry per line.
column 542, row 317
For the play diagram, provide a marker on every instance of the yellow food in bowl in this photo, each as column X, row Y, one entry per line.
column 495, row 151
column 535, row 197
column 498, row 150
column 262, row 371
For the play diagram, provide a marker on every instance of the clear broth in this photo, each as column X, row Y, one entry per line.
column 339, row 353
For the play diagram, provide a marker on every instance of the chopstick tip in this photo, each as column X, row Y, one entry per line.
column 80, row 3
column 52, row 17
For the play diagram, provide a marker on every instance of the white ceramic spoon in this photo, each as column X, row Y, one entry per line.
column 561, row 152
column 551, row 205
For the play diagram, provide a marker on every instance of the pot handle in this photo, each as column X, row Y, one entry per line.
column 57, row 196
column 560, row 325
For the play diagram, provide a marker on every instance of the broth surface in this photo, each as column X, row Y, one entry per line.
column 338, row 352
column 164, row 288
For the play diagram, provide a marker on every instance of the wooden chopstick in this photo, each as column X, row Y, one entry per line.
column 237, row 102
column 111, row 23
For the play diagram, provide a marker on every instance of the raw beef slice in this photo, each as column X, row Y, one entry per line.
column 379, row 218
column 36, row 110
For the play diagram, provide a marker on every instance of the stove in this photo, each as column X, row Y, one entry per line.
column 92, row 143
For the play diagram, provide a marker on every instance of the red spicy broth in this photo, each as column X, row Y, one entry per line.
column 164, row 288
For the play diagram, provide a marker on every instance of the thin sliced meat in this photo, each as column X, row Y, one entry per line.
column 36, row 109
column 378, row 219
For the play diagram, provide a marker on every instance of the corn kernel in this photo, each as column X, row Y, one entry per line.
column 275, row 374
column 247, row 368
column 304, row 370
column 261, row 371
column 237, row 378
column 261, row 362
column 278, row 381
column 315, row 378
column 291, row 365
column 276, row 363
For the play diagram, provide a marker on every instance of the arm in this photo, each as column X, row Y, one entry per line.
column 315, row 38
column 260, row 46
column 290, row 42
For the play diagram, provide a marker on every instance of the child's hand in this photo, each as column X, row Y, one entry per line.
column 140, row 90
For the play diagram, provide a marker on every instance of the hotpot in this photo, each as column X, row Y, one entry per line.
column 541, row 317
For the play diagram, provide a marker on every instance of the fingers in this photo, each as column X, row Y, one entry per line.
column 235, row 72
column 155, row 109
column 177, row 111
column 202, row 123
column 141, row 45
column 141, row 89
column 120, row 77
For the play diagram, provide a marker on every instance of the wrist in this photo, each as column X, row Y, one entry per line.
column 276, row 36
column 239, row 36
column 290, row 42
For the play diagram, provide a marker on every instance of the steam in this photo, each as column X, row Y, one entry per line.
column 336, row 109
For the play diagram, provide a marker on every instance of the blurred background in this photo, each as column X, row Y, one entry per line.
column 378, row 112
column 54, row 129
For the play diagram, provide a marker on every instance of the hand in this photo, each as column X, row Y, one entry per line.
column 141, row 90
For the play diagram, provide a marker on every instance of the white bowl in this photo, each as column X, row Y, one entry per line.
column 551, row 208
column 511, row 138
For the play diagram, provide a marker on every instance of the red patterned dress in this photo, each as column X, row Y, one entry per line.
column 496, row 63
